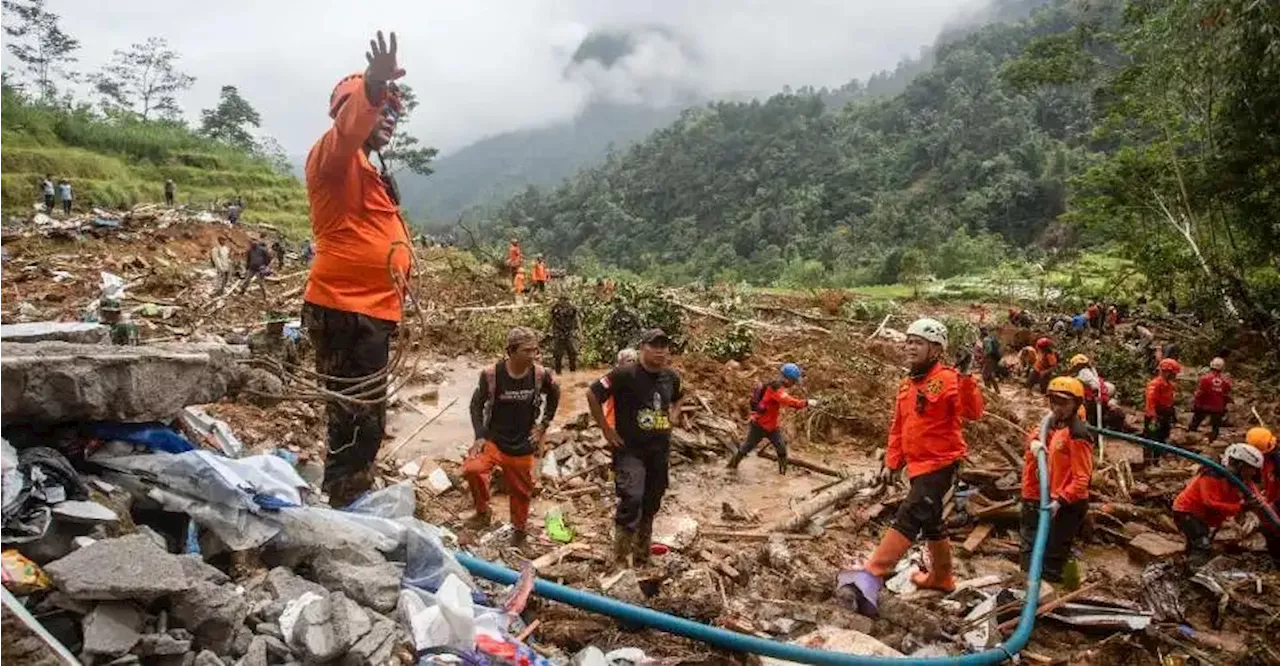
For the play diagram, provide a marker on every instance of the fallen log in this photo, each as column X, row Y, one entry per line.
column 768, row 454
column 809, row 508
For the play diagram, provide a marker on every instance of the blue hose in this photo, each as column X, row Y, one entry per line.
column 736, row 642
column 1190, row 455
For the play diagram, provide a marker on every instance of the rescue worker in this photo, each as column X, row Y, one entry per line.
column 539, row 275
column 257, row 266
column 515, row 257
column 991, row 354
column 647, row 398
column 1096, row 392
column 1069, row 462
column 1265, row 442
column 1079, row 324
column 564, row 331
column 1161, row 396
column 352, row 303
column 1046, row 361
column 623, row 325
column 517, row 284
column 1212, row 396
column 510, row 411
column 926, row 438
column 1210, row 499
column 278, row 251
column 1094, row 314
column 625, row 357
column 220, row 257
column 767, row 401
column 1113, row 318
column 169, row 189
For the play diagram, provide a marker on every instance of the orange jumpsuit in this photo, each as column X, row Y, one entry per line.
column 1069, row 458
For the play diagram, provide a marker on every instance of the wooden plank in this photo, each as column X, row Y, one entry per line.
column 994, row 508
column 976, row 537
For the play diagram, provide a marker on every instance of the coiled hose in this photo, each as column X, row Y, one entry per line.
column 736, row 642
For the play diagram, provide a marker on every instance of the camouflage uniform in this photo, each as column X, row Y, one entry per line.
column 625, row 327
column 274, row 344
column 564, row 326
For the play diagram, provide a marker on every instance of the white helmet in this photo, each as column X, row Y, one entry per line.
column 1218, row 363
column 931, row 330
column 1244, row 453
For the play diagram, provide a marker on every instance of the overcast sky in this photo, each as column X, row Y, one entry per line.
column 481, row 67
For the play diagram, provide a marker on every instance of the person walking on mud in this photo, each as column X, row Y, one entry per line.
column 1160, row 413
column 926, row 438
column 647, row 398
column 220, row 257
column 564, row 330
column 990, row 359
column 767, row 401
column 1211, row 399
column 353, row 299
column 257, row 266
column 510, row 412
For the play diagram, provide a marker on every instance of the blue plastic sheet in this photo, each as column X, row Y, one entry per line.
column 155, row 436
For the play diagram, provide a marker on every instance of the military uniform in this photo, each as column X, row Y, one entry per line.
column 564, row 326
column 274, row 344
column 624, row 326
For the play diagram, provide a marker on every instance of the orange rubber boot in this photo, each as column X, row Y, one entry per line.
column 939, row 575
column 892, row 547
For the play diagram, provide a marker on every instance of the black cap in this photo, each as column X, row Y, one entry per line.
column 655, row 336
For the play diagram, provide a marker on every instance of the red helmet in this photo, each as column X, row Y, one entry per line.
column 1043, row 343
column 1170, row 365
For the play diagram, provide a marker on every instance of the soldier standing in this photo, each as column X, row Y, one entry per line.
column 624, row 325
column 564, row 329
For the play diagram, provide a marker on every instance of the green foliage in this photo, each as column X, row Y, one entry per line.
column 143, row 80
column 39, row 45
column 405, row 151
column 229, row 121
column 733, row 343
column 757, row 190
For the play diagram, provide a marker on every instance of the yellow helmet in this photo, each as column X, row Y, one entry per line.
column 1079, row 359
column 1067, row 385
column 1260, row 439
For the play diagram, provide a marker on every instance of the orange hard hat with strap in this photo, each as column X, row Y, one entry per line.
column 353, row 84
column 1261, row 439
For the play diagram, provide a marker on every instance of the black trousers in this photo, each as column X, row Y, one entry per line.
column 1157, row 429
column 66, row 206
column 48, row 203
column 561, row 347
column 1199, row 536
column 1063, row 529
column 349, row 344
column 1216, row 419
column 920, row 515
column 640, row 480
column 755, row 434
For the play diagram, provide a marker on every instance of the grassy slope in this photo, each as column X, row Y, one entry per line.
column 120, row 164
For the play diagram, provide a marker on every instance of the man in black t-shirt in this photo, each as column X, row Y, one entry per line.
column 647, row 397
column 505, row 411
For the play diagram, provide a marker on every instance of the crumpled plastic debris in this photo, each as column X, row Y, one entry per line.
column 20, row 575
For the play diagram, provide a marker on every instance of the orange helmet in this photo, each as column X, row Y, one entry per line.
column 1260, row 439
column 354, row 84
column 1170, row 365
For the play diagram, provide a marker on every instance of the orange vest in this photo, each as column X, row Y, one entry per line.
column 1210, row 498
column 517, row 284
column 539, row 272
column 1069, row 457
column 1160, row 395
column 355, row 223
column 928, row 418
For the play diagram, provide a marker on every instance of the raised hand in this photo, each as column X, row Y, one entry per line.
column 382, row 67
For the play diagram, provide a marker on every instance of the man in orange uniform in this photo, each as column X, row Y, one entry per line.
column 539, row 275
column 517, row 284
column 932, row 406
column 1162, row 393
column 767, row 401
column 1265, row 442
column 1213, row 395
column 352, row 304
column 515, row 258
column 1210, row 499
column 1046, row 361
column 1069, row 459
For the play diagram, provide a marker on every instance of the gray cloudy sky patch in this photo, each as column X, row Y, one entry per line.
column 482, row 67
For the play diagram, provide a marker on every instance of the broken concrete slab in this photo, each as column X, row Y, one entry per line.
column 256, row 655
column 214, row 613
column 285, row 585
column 84, row 511
column 1152, row 546
column 376, row 585
column 128, row 567
column 197, row 570
column 374, row 647
column 160, row 645
column 81, row 332
column 208, row 658
column 53, row 382
column 112, row 628
column 320, row 633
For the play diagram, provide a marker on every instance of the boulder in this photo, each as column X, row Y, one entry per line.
column 53, row 382
column 365, row 577
column 256, row 655
column 286, row 586
column 320, row 633
column 112, row 628
column 128, row 567
column 197, row 570
column 375, row 647
column 214, row 613
column 207, row 658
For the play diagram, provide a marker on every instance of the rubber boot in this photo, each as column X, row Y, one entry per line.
column 519, row 538
column 868, row 581
column 737, row 458
column 623, row 541
column 782, row 465
column 939, row 575
column 643, row 542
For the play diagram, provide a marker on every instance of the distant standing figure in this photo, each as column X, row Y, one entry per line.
column 308, row 252
column 515, row 257
column 233, row 212
column 220, row 257
column 64, row 195
column 277, row 248
column 257, row 265
column 169, row 188
column 539, row 275
column 46, row 189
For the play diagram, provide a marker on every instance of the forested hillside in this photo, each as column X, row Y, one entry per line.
column 752, row 190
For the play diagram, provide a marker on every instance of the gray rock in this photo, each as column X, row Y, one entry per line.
column 376, row 584
column 256, row 655
column 214, row 613
column 159, row 645
column 358, row 621
column 240, row 644
column 155, row 536
column 129, row 567
column 277, row 648
column 208, row 658
column 285, row 585
column 112, row 628
column 54, row 382
column 197, row 570
column 127, row 660
column 180, row 634
column 63, row 331
column 320, row 634
column 84, row 511
column 269, row 629
column 375, row 647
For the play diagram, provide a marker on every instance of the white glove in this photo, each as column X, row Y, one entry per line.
column 813, row 402
column 1053, row 508
column 1036, row 446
